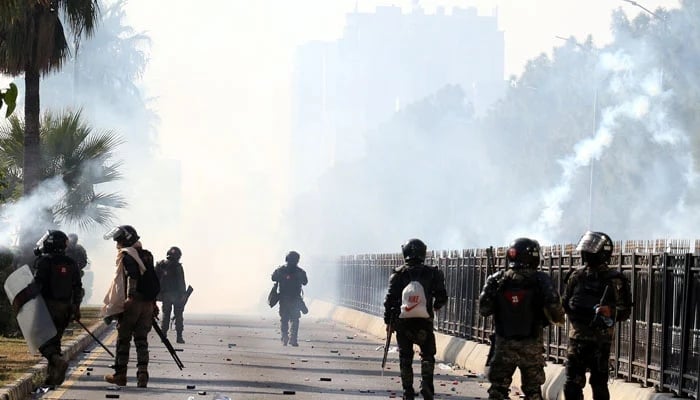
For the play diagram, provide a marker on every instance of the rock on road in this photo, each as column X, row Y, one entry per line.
column 241, row 357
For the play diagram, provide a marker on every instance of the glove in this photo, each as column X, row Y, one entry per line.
column 76, row 312
column 605, row 311
column 156, row 310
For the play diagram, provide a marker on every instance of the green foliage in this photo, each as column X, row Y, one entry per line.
column 8, row 322
column 9, row 97
column 74, row 151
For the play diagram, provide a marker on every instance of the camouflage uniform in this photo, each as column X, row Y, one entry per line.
column 59, row 280
column 172, row 294
column 137, row 318
column 589, row 345
column 290, row 278
column 524, row 349
column 410, row 331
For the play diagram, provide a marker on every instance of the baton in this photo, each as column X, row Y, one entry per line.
column 96, row 339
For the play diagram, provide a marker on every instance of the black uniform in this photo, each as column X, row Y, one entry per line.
column 172, row 294
column 290, row 279
column 59, row 280
column 410, row 331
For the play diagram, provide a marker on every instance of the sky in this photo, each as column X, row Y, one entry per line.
column 219, row 78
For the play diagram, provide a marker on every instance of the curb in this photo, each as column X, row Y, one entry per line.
column 24, row 385
column 471, row 355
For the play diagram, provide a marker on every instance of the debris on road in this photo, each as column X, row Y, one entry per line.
column 289, row 392
column 191, row 386
column 325, row 379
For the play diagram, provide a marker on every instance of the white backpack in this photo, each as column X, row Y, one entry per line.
column 413, row 301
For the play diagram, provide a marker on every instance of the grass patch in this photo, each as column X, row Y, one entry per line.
column 15, row 359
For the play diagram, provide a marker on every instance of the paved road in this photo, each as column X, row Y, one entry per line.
column 242, row 358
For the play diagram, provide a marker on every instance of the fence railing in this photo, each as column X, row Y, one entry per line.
column 658, row 346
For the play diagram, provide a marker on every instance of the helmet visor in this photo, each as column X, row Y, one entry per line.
column 40, row 243
column 593, row 242
column 115, row 232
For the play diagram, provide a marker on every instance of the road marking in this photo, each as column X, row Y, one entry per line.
column 75, row 375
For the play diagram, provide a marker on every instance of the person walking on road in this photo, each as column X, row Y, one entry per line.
column 132, row 301
column 58, row 279
column 172, row 290
column 415, row 292
column 290, row 278
column 522, row 301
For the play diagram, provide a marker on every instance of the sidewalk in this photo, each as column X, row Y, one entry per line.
column 472, row 356
column 27, row 383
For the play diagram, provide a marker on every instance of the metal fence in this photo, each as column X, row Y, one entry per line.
column 658, row 346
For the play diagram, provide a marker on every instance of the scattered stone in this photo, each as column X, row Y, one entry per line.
column 325, row 379
column 89, row 368
column 202, row 393
column 191, row 386
column 231, row 345
column 112, row 396
column 334, row 351
column 289, row 392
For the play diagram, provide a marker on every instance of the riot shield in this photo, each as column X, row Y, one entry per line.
column 32, row 315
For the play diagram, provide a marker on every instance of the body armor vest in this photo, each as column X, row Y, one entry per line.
column 518, row 315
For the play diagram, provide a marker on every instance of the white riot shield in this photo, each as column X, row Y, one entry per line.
column 33, row 317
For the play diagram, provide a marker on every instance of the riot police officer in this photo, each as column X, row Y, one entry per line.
column 290, row 278
column 131, row 300
column 58, row 278
column 415, row 292
column 172, row 290
column 522, row 301
column 595, row 297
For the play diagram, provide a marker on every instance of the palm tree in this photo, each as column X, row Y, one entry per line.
column 72, row 151
column 33, row 42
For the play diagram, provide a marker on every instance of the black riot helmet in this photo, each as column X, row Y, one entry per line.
column 596, row 248
column 523, row 253
column 173, row 254
column 292, row 258
column 414, row 251
column 53, row 242
column 125, row 235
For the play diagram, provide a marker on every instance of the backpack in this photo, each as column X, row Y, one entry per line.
column 149, row 284
column 414, row 303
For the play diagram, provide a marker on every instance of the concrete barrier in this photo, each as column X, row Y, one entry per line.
column 472, row 356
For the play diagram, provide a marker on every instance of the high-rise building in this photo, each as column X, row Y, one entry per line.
column 383, row 61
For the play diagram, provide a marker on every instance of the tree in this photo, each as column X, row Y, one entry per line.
column 72, row 151
column 33, row 42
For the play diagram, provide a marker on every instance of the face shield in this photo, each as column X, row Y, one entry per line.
column 41, row 241
column 113, row 234
column 594, row 242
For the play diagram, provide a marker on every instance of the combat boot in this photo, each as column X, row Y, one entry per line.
column 56, row 372
column 285, row 340
column 180, row 339
column 118, row 378
column 142, row 379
